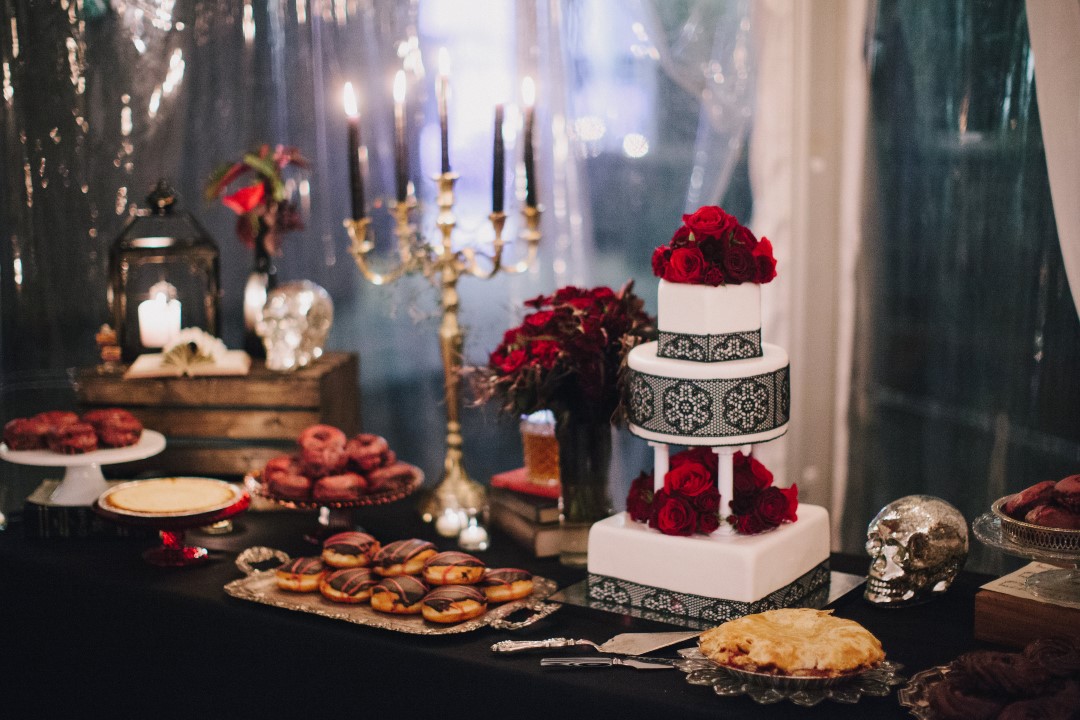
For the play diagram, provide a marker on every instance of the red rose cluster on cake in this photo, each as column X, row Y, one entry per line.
column 713, row 248
column 1048, row 503
column 64, row 432
column 403, row 577
column 331, row 467
column 689, row 501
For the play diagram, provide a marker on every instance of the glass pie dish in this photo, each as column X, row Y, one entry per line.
column 766, row 689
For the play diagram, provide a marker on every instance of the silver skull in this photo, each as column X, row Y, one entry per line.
column 294, row 324
column 917, row 545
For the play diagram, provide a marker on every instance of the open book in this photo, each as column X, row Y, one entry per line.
column 231, row 362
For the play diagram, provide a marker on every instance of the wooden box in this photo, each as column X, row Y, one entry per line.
column 229, row 425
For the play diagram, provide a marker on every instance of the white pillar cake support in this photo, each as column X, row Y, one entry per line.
column 660, row 464
column 725, row 481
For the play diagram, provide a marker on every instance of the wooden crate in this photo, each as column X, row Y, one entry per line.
column 227, row 426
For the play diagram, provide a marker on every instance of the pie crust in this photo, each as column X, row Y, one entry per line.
column 171, row 496
column 794, row 642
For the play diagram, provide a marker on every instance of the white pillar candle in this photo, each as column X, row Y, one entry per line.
column 159, row 320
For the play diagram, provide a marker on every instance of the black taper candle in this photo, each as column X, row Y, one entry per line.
column 356, row 176
column 498, row 175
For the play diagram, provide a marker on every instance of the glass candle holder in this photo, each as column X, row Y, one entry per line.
column 541, row 448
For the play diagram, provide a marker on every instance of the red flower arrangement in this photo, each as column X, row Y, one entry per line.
column 712, row 248
column 689, row 501
column 262, row 207
column 567, row 352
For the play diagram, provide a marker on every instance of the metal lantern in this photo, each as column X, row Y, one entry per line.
column 163, row 276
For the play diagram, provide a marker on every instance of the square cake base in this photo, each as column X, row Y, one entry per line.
column 709, row 578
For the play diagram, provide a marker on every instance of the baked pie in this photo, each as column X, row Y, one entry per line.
column 170, row 496
column 793, row 642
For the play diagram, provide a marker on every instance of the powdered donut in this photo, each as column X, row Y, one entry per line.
column 392, row 475
column 367, row 452
column 322, row 450
column 338, row 488
column 73, row 439
column 290, row 486
column 26, row 434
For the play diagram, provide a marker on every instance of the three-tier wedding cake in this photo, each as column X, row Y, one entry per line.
column 709, row 382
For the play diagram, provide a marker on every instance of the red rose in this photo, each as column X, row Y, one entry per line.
column 754, row 470
column 708, row 523
column 673, row 515
column 765, row 263
column 745, row 495
column 539, row 318
column 639, row 500
column 709, row 220
column 513, row 361
column 690, row 479
column 771, row 506
column 708, row 502
column 660, row 258
column 687, row 265
column 700, row 454
column 245, row 199
column 681, row 238
column 749, row 524
column 792, row 495
column 546, row 351
column 714, row 276
column 742, row 236
column 739, row 264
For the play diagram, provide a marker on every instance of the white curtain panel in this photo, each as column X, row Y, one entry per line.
column 1054, row 26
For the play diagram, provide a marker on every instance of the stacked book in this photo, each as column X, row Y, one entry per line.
column 526, row 511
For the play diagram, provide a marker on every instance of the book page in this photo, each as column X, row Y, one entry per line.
column 1013, row 583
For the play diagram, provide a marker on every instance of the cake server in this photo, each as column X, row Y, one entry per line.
column 621, row 644
column 638, row 663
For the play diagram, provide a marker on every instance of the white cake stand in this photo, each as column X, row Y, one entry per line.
column 83, row 482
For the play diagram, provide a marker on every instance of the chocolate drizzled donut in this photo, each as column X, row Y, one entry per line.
column 303, row 566
column 352, row 581
column 442, row 597
column 505, row 576
column 350, row 542
column 401, row 551
column 406, row 589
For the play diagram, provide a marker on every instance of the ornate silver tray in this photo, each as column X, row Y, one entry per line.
column 260, row 586
column 1036, row 538
column 915, row 695
column 767, row 689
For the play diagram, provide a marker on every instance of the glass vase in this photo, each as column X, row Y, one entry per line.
column 584, row 464
column 261, row 280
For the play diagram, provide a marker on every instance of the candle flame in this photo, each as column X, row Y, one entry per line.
column 528, row 91
column 399, row 87
column 444, row 62
column 352, row 108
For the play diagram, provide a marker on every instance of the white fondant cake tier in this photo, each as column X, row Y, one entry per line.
column 681, row 402
column 707, row 310
column 739, row 568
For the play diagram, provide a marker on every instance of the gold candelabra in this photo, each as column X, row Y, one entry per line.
column 456, row 492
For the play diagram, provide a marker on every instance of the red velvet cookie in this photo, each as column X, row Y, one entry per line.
column 1067, row 492
column 73, row 439
column 26, row 434
column 115, row 427
column 1019, row 504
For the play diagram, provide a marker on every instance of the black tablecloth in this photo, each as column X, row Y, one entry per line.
column 87, row 628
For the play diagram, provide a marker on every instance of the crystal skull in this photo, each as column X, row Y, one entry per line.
column 917, row 545
column 294, row 324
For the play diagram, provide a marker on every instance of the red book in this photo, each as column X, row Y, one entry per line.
column 517, row 481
